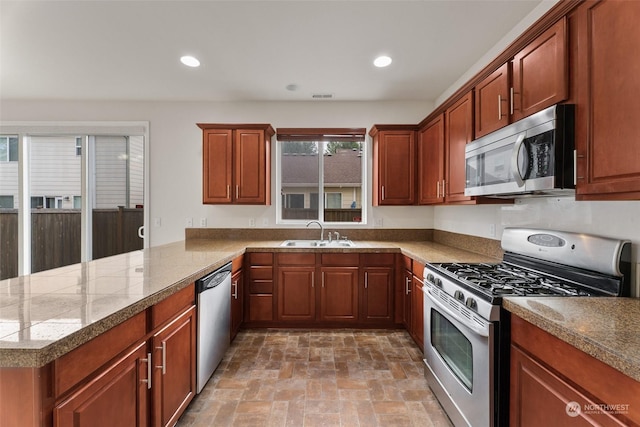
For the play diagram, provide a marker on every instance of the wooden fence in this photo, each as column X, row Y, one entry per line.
column 55, row 237
column 330, row 215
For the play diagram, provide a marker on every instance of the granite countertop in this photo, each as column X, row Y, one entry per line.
column 47, row 314
column 605, row 328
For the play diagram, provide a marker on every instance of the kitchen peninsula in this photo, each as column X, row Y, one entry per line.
column 49, row 316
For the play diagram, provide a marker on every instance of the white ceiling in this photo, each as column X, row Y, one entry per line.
column 249, row 50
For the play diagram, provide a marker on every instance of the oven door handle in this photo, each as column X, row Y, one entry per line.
column 482, row 331
column 515, row 170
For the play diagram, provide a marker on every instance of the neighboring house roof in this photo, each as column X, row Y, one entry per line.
column 343, row 167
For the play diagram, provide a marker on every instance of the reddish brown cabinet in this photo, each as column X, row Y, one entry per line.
column 258, row 304
column 118, row 387
column 431, row 162
column 416, row 330
column 394, row 165
column 174, row 369
column 606, row 68
column 537, row 77
column 377, row 286
column 492, row 101
column 237, row 296
column 338, row 294
column 458, row 133
column 296, row 286
column 236, row 163
column 548, row 374
column 540, row 76
column 151, row 382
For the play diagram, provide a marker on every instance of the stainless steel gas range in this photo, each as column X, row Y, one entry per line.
column 466, row 330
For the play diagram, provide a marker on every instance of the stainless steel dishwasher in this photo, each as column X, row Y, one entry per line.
column 213, row 294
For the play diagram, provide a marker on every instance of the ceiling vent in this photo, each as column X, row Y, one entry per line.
column 322, row 96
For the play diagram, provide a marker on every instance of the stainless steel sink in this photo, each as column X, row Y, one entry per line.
column 318, row 243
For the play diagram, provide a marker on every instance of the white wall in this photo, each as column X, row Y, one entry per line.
column 175, row 150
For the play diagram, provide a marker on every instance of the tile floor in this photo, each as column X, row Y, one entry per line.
column 303, row 378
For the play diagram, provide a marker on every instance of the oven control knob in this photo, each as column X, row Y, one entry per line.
column 471, row 303
column 438, row 282
column 430, row 277
column 459, row 296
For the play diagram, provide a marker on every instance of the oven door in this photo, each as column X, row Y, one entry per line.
column 459, row 363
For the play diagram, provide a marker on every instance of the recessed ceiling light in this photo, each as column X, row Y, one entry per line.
column 190, row 61
column 292, row 87
column 382, row 61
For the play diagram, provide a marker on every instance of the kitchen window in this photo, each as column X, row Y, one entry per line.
column 320, row 174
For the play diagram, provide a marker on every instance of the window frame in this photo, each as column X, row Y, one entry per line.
column 322, row 135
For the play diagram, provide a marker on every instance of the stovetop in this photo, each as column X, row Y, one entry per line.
column 502, row 279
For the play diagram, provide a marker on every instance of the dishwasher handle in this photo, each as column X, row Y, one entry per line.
column 213, row 279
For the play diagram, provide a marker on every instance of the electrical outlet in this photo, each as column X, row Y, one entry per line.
column 378, row 222
column 492, row 230
column 189, row 222
column 252, row 222
column 157, row 222
column 265, row 222
column 203, row 222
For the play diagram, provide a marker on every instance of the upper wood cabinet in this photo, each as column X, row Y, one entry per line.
column 458, row 133
column 492, row 101
column 431, row 161
column 537, row 77
column 236, row 163
column 541, row 73
column 394, row 164
column 607, row 127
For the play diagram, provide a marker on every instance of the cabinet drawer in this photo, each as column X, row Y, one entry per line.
column 261, row 287
column 260, row 258
column 80, row 363
column 175, row 304
column 260, row 273
column 260, row 308
column 340, row 259
column 236, row 264
column 406, row 262
column 297, row 259
column 377, row 259
column 418, row 270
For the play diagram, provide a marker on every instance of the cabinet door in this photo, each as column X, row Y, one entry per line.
column 459, row 132
column 539, row 397
column 174, row 360
column 250, row 154
column 407, row 279
column 339, row 294
column 296, row 293
column 417, row 312
column 377, row 301
column 116, row 397
column 396, row 168
column 607, row 125
column 431, row 162
column 541, row 72
column 217, row 166
column 237, row 303
column 492, row 102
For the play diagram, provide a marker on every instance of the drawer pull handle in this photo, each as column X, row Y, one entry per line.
column 148, row 362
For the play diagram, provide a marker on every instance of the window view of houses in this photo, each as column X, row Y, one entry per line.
column 339, row 184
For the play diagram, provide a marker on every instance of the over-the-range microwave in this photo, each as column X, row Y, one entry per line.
column 533, row 156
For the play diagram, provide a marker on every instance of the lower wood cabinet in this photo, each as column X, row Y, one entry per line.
column 150, row 383
column 117, row 396
column 417, row 312
column 377, row 288
column 237, row 297
column 174, row 369
column 296, row 293
column 556, row 384
column 338, row 294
